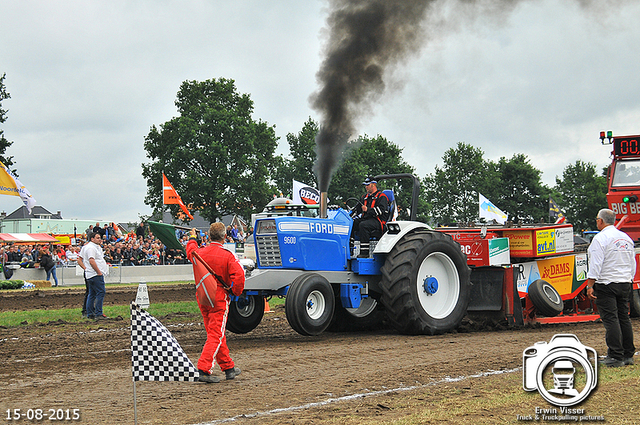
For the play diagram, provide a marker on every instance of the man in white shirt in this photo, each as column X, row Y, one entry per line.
column 612, row 266
column 96, row 269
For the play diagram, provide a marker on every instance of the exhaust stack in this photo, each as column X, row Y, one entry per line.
column 323, row 204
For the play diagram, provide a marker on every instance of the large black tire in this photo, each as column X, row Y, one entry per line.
column 545, row 298
column 245, row 314
column 369, row 316
column 634, row 303
column 425, row 284
column 309, row 304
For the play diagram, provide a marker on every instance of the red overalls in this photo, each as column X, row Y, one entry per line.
column 225, row 264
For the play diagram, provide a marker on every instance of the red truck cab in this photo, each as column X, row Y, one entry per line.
column 623, row 194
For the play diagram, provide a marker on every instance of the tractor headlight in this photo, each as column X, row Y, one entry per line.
column 393, row 228
column 266, row 227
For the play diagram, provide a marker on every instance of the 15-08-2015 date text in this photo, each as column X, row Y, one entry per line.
column 43, row 414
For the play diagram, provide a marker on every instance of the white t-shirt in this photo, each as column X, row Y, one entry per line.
column 92, row 250
column 611, row 257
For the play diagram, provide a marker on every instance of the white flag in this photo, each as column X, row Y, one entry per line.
column 490, row 211
column 305, row 194
column 155, row 353
column 10, row 185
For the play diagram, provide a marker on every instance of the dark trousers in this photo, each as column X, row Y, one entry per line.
column 613, row 304
column 367, row 228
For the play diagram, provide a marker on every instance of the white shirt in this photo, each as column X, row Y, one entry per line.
column 611, row 257
column 92, row 250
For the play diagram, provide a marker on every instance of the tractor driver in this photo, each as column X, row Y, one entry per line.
column 370, row 215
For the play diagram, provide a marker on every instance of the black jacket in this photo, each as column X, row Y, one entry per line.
column 47, row 262
column 377, row 206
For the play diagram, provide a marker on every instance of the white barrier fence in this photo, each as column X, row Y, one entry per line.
column 128, row 274
column 117, row 274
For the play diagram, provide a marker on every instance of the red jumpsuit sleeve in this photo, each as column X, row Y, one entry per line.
column 236, row 275
column 192, row 245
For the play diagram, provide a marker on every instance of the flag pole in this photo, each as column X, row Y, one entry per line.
column 133, row 376
column 135, row 409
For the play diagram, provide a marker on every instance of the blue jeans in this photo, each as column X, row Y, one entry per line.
column 96, row 296
column 52, row 271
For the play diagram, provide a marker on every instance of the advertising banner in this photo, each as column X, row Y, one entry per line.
column 565, row 273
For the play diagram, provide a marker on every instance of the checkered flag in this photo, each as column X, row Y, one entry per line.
column 155, row 353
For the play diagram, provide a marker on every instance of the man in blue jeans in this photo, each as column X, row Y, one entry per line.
column 94, row 274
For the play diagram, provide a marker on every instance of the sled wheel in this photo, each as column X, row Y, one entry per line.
column 245, row 314
column 309, row 304
column 545, row 298
column 425, row 284
column 369, row 316
column 634, row 302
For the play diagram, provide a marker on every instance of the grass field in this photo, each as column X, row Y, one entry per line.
column 73, row 315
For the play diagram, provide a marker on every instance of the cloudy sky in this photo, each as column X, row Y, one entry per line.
column 89, row 78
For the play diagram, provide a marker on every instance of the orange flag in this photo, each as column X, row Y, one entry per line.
column 206, row 285
column 170, row 196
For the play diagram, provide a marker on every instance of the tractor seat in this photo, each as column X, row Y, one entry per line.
column 392, row 204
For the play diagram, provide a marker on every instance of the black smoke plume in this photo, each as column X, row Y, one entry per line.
column 366, row 38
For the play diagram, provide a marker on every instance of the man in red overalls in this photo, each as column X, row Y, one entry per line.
column 224, row 264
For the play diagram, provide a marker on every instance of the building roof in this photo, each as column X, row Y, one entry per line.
column 36, row 212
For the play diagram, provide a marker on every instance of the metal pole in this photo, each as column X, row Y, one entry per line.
column 135, row 408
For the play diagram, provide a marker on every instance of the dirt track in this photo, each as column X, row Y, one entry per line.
column 88, row 367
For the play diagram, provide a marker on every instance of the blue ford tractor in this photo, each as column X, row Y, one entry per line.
column 415, row 277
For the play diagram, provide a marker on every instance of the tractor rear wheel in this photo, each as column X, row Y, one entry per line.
column 425, row 284
column 309, row 304
column 245, row 314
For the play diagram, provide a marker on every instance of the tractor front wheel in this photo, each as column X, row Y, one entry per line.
column 309, row 305
column 245, row 314
column 369, row 316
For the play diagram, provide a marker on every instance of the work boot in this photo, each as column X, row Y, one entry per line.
column 232, row 373
column 611, row 362
column 364, row 250
column 207, row 378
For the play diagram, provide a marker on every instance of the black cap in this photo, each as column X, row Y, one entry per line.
column 368, row 181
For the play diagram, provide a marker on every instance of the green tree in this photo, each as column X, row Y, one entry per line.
column 522, row 194
column 583, row 192
column 370, row 157
column 453, row 189
column 216, row 156
column 4, row 143
column 303, row 155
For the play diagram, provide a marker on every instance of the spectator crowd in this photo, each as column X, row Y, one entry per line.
column 136, row 248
